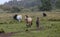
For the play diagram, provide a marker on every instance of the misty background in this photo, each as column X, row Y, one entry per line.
column 12, row 6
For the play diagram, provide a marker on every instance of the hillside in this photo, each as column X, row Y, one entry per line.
column 24, row 3
column 31, row 5
column 28, row 3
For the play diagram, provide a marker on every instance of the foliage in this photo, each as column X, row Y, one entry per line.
column 58, row 4
column 43, row 5
column 46, row 5
column 11, row 9
column 15, row 9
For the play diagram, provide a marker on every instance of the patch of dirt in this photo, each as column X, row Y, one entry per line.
column 8, row 34
column 12, row 33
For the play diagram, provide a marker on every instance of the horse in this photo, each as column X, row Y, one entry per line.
column 17, row 17
column 44, row 14
column 28, row 21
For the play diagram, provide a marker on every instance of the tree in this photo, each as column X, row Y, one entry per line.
column 46, row 5
column 58, row 4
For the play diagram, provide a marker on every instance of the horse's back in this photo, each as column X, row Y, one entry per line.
column 29, row 19
column 19, row 17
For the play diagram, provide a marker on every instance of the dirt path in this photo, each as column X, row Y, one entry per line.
column 13, row 33
column 9, row 34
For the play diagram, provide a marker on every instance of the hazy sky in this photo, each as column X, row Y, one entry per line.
column 3, row 1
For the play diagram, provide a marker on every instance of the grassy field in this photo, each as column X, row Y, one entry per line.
column 50, row 25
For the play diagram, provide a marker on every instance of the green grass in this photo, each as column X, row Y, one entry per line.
column 48, row 28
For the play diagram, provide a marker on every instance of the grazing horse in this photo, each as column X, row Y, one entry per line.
column 44, row 15
column 28, row 21
column 18, row 17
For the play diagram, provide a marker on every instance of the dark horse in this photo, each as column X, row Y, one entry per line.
column 44, row 14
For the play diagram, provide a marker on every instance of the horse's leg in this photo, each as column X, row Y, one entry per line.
column 30, row 24
column 27, row 24
column 19, row 20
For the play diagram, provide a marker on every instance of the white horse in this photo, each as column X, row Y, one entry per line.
column 18, row 17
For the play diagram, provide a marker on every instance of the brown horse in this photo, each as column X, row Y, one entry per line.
column 28, row 21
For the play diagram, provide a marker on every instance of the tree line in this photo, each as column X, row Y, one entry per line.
column 44, row 5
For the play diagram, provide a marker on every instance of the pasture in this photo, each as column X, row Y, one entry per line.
column 49, row 25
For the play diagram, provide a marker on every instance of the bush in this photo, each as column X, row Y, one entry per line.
column 53, row 19
column 15, row 9
column 11, row 9
column 46, row 5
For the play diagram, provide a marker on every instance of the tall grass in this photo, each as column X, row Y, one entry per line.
column 49, row 25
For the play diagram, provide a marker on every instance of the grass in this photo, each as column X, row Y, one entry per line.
column 49, row 28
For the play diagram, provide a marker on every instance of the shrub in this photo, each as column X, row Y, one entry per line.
column 53, row 19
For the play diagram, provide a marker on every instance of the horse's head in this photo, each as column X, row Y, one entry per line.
column 15, row 16
column 26, row 16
